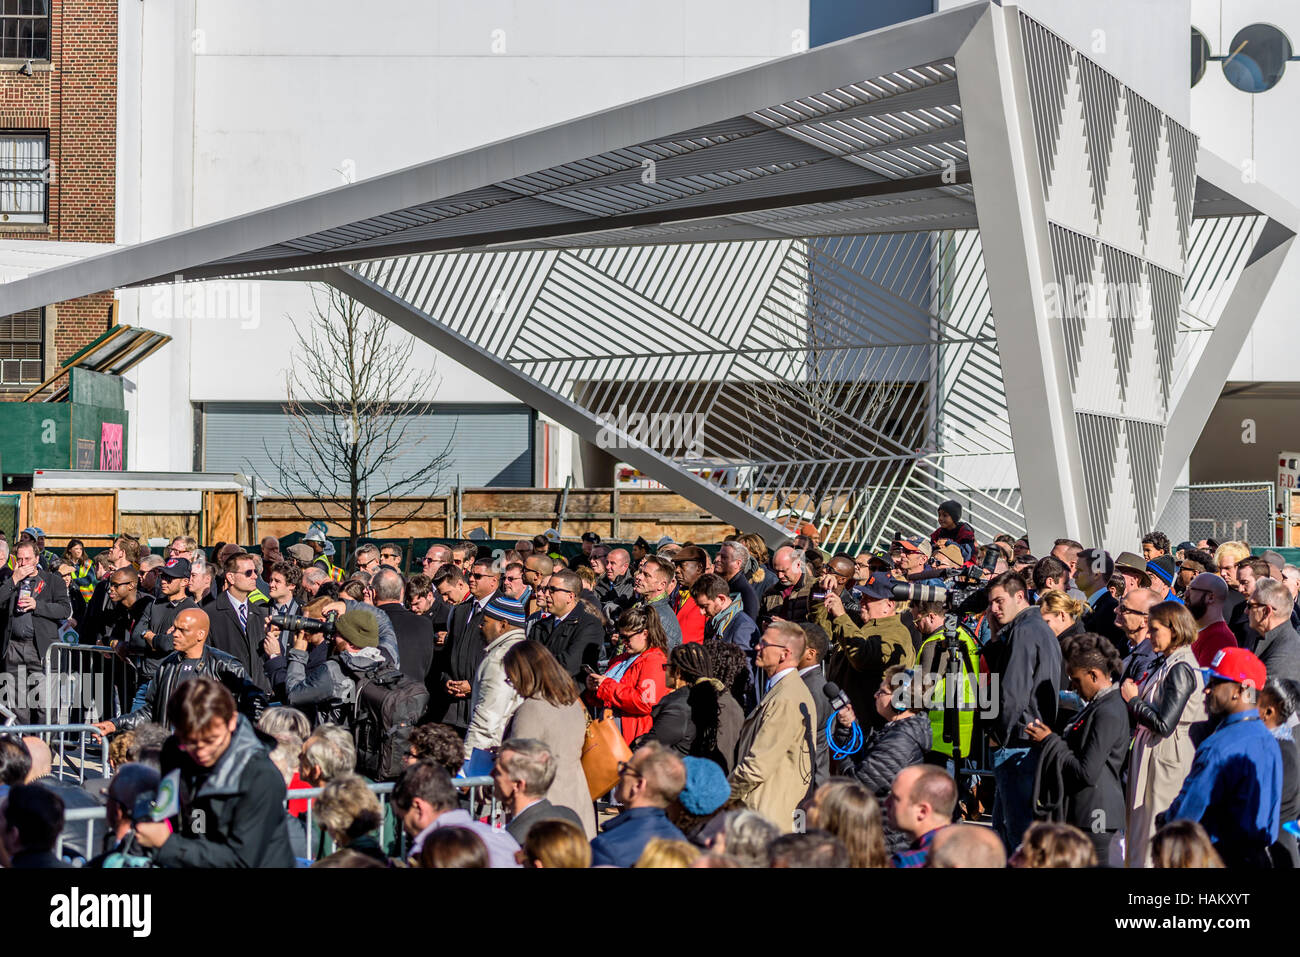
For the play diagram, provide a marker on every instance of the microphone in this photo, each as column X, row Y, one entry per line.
column 837, row 698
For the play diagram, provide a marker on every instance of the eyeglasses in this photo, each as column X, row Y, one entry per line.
column 567, row 591
column 475, row 576
column 625, row 767
column 768, row 644
column 248, row 574
column 427, row 561
column 1133, row 611
column 1257, row 604
column 628, row 635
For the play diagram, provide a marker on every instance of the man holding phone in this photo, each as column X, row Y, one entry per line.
column 37, row 603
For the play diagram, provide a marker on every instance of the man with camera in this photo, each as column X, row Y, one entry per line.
column 860, row 652
column 231, row 797
column 790, row 598
column 326, row 692
column 190, row 659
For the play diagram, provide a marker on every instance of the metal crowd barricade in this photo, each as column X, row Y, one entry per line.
column 81, row 815
column 87, row 683
column 57, row 737
column 89, row 815
column 478, row 803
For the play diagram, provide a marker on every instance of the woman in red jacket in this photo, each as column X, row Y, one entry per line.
column 634, row 681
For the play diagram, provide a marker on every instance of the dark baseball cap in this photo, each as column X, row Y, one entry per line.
column 876, row 588
column 176, row 568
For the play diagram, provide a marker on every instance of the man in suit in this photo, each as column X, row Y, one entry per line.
column 810, row 670
column 1092, row 573
column 238, row 626
column 36, row 603
column 523, row 773
column 572, row 634
column 101, row 612
column 725, row 620
column 463, row 650
column 775, row 762
column 414, row 632
column 1276, row 642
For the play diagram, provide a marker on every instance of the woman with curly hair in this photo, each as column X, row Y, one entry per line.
column 729, row 665
column 689, row 717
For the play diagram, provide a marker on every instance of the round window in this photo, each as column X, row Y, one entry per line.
column 1256, row 58
column 1200, row 54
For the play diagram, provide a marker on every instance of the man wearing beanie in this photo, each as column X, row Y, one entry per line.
column 326, row 691
column 1163, row 572
column 494, row 701
column 952, row 528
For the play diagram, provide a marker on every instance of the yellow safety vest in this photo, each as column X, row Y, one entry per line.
column 331, row 569
column 966, row 702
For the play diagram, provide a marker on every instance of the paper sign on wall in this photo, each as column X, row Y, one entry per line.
column 110, row 447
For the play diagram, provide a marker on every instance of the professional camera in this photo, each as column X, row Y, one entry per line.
column 966, row 585
column 966, row 594
column 326, row 626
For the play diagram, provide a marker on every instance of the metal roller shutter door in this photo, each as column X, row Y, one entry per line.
column 491, row 445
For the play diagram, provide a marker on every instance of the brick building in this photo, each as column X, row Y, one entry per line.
column 58, row 152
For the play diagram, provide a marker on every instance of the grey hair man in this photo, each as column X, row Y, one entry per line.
column 1269, row 613
column 524, row 772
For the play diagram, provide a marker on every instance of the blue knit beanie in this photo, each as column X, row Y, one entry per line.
column 706, row 787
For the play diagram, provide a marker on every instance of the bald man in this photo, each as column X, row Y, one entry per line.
column 191, row 659
column 967, row 845
column 1206, row 597
column 1133, row 615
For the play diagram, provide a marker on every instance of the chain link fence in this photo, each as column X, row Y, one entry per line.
column 1227, row 511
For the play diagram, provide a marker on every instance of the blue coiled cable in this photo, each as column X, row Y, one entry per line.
column 855, row 739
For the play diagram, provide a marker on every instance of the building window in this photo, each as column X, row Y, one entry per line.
column 22, row 348
column 24, row 177
column 25, row 29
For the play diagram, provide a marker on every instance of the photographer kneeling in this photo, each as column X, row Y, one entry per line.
column 231, row 796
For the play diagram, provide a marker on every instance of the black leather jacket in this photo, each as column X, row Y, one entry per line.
column 225, row 668
column 1162, row 717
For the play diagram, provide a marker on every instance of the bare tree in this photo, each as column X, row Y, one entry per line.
column 352, row 397
column 829, row 403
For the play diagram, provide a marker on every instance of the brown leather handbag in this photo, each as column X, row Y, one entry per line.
column 603, row 749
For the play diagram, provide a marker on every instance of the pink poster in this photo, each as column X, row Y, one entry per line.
column 110, row 447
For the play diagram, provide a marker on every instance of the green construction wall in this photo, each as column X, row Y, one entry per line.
column 44, row 435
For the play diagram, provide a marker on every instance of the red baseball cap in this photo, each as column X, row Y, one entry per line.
column 1239, row 665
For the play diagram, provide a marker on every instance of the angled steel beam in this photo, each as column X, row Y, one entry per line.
column 428, row 329
column 1017, row 260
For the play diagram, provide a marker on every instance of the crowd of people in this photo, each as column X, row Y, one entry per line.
column 942, row 702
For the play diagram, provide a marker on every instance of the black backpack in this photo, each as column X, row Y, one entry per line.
column 388, row 706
